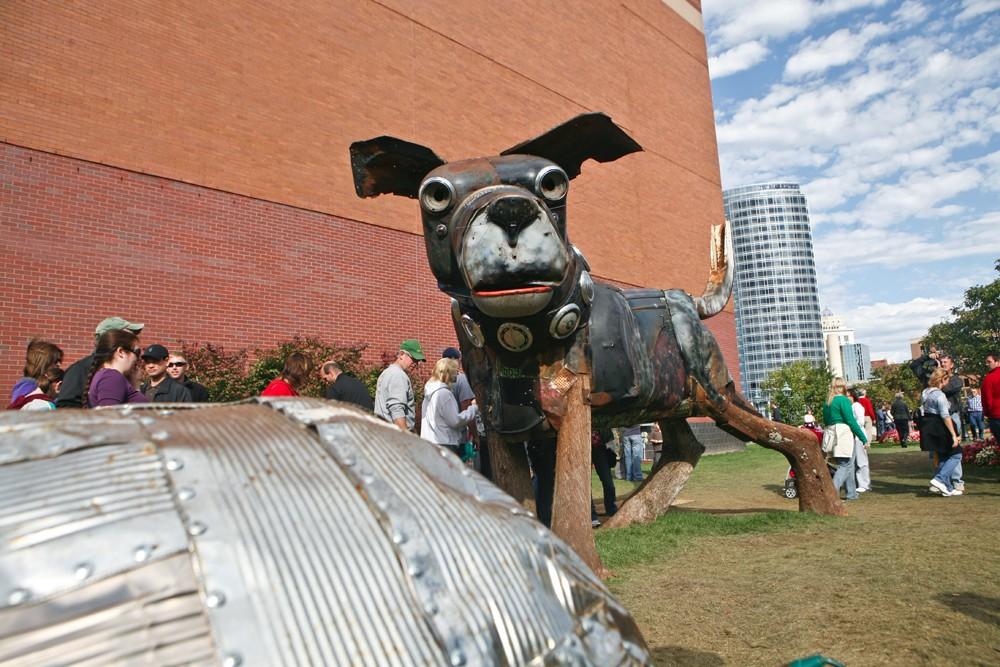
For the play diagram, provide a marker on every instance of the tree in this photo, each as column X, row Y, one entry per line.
column 808, row 386
column 975, row 330
column 892, row 379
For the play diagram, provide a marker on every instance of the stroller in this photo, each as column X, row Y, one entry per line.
column 791, row 490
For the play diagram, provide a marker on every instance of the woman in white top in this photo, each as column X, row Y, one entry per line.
column 441, row 421
column 864, row 476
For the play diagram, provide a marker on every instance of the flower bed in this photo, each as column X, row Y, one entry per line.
column 982, row 453
column 891, row 438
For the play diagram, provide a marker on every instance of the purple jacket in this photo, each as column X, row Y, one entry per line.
column 23, row 387
column 109, row 387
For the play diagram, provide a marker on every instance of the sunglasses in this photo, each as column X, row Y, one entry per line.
column 177, row 364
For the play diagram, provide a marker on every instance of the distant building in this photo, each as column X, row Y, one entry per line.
column 835, row 335
column 879, row 363
column 777, row 306
column 857, row 362
column 916, row 348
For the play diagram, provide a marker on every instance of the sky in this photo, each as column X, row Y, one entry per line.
column 887, row 113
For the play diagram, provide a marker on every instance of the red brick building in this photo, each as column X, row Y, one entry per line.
column 185, row 164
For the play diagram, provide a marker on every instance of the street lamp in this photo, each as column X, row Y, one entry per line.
column 786, row 390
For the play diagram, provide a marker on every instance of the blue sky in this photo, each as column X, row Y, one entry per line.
column 887, row 112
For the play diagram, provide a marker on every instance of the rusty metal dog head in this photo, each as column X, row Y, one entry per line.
column 495, row 227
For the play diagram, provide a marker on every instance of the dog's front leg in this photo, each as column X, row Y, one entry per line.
column 571, row 498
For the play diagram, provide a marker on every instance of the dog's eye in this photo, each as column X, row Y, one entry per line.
column 552, row 183
column 437, row 195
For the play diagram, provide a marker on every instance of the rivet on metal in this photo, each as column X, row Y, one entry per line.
column 186, row 493
column 142, row 553
column 18, row 596
column 215, row 599
column 147, row 421
column 431, row 608
column 399, row 538
column 457, row 658
column 367, row 478
column 349, row 460
column 197, row 528
column 160, row 435
column 232, row 660
column 83, row 571
column 415, row 570
column 174, row 464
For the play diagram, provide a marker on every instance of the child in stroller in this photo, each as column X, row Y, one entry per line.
column 809, row 424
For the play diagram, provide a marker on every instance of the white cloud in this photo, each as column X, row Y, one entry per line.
column 737, row 59
column 910, row 13
column 737, row 21
column 839, row 48
column 887, row 328
column 973, row 8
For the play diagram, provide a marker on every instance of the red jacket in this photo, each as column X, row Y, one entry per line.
column 991, row 394
column 279, row 387
column 869, row 408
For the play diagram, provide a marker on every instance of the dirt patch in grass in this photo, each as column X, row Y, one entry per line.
column 907, row 579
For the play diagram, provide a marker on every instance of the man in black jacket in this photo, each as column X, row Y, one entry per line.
column 71, row 392
column 901, row 418
column 160, row 387
column 345, row 387
column 177, row 367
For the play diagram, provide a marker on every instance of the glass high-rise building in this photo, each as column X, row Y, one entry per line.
column 777, row 305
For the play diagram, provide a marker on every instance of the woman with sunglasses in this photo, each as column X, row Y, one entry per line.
column 113, row 375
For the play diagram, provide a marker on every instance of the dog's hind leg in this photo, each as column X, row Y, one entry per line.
column 799, row 447
column 681, row 452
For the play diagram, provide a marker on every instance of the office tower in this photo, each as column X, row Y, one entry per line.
column 777, row 307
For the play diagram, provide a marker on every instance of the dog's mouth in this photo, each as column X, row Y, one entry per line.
column 530, row 289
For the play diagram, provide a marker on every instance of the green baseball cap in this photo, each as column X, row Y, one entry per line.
column 412, row 347
column 112, row 323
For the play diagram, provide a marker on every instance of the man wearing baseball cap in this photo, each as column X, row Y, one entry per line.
column 71, row 392
column 160, row 387
column 393, row 393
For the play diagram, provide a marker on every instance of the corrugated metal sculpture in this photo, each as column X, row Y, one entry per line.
column 544, row 345
column 277, row 532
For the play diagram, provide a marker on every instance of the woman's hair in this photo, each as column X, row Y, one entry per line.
column 837, row 388
column 50, row 377
column 41, row 355
column 938, row 378
column 107, row 344
column 445, row 370
column 297, row 369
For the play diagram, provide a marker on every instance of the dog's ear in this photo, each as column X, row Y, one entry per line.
column 390, row 165
column 588, row 136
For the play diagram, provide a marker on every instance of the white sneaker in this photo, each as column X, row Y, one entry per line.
column 594, row 523
column 960, row 486
column 936, row 491
column 940, row 486
column 956, row 492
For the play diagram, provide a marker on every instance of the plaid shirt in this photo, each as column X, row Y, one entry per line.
column 975, row 403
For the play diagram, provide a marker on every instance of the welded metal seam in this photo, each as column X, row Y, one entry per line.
column 438, row 604
column 373, row 580
column 283, row 464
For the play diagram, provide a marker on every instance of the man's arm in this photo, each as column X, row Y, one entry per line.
column 395, row 400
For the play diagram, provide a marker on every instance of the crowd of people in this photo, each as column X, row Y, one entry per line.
column 942, row 418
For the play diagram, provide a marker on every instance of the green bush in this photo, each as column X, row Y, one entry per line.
column 235, row 375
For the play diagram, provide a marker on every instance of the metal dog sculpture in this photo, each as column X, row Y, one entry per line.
column 541, row 340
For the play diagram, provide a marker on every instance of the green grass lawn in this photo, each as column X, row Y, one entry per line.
column 735, row 575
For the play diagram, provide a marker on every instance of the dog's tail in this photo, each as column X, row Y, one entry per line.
column 720, row 277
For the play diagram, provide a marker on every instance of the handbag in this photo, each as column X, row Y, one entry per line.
column 829, row 439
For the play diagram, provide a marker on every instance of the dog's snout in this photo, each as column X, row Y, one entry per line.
column 512, row 214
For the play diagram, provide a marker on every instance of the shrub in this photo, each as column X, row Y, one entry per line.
column 235, row 375
column 891, row 438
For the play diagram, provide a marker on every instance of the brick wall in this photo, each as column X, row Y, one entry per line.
column 84, row 241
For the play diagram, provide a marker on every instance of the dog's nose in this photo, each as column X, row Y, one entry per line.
column 512, row 214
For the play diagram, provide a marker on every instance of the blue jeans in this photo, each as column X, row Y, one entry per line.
column 845, row 475
column 946, row 469
column 976, row 424
column 632, row 451
column 955, row 471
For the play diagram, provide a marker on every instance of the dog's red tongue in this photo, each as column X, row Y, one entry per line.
column 509, row 292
